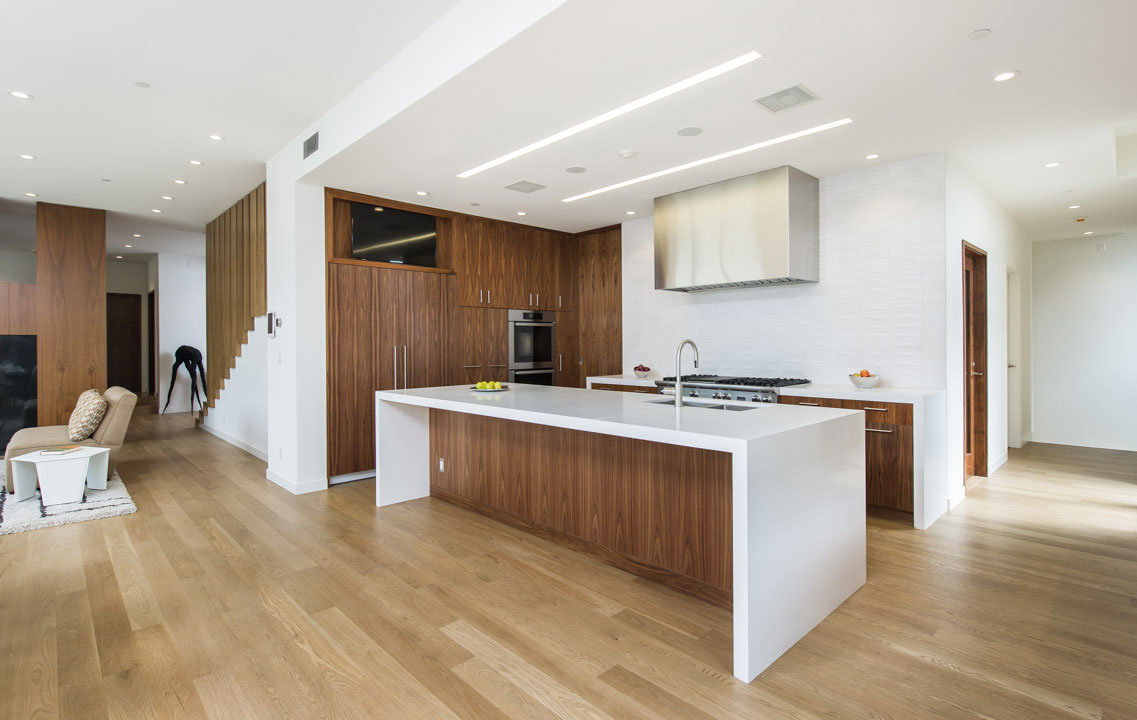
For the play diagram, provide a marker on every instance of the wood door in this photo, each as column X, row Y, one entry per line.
column 151, row 340
column 566, row 247
column 568, row 351
column 974, row 362
column 391, row 327
column 599, row 304
column 888, row 466
column 495, row 339
column 510, row 269
column 352, row 372
column 426, row 326
column 467, row 260
column 124, row 341
column 542, row 254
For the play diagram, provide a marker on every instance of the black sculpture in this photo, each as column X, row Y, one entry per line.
column 191, row 358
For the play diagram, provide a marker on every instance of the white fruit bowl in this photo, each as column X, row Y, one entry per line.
column 641, row 374
column 864, row 383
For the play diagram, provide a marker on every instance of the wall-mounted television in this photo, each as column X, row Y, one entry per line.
column 394, row 236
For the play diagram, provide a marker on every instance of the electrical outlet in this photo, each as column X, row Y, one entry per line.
column 441, row 464
column 876, row 368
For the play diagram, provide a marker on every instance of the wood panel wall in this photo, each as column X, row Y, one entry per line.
column 600, row 302
column 71, row 306
column 660, row 511
column 235, row 285
column 17, row 309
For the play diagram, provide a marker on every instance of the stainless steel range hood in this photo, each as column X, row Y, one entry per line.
column 759, row 229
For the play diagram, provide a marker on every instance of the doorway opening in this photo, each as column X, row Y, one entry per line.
column 974, row 362
column 124, row 341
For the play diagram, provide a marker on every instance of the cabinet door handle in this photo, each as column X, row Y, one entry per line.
column 499, row 366
column 404, row 367
column 538, row 298
column 559, row 301
column 480, row 295
column 877, row 430
column 488, row 296
column 976, row 373
column 395, row 366
column 813, row 404
column 877, row 409
column 560, row 363
column 471, row 367
column 530, row 299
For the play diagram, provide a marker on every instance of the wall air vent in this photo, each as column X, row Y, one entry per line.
column 524, row 186
column 312, row 144
column 786, row 99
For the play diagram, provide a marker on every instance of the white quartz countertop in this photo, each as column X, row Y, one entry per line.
column 625, row 380
column 631, row 415
column 848, row 392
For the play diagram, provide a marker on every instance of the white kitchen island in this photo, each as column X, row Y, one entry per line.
column 794, row 479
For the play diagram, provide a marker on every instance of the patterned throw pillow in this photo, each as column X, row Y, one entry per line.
column 87, row 415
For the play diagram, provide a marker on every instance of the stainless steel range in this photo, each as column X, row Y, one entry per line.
column 723, row 387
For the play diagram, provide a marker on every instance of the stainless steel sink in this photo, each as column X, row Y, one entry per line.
column 703, row 404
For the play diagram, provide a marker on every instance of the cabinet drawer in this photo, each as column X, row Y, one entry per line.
column 626, row 388
column 810, row 401
column 878, row 412
column 888, row 466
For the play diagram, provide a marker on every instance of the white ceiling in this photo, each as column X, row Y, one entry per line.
column 256, row 73
column 905, row 71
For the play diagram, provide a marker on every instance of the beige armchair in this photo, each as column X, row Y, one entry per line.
column 110, row 433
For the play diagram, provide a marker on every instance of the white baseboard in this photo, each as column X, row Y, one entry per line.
column 999, row 461
column 296, row 488
column 351, row 477
column 957, row 497
column 255, row 452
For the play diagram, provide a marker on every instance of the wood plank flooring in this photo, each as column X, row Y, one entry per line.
column 226, row 597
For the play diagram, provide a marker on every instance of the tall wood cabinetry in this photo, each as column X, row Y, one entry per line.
column 392, row 326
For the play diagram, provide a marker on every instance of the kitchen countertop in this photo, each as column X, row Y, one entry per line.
column 624, row 414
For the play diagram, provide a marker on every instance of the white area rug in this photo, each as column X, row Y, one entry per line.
column 31, row 514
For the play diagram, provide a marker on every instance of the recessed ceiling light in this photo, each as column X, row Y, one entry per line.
column 980, row 34
column 118, row 257
column 1067, row 191
column 475, row 204
column 691, row 131
column 21, row 95
column 1073, row 207
column 27, row 157
column 137, row 235
column 216, row 137
column 1008, row 75
column 617, row 112
column 167, row 197
column 871, row 156
column 128, row 246
column 141, row 83
column 32, row 194
column 196, row 162
column 1051, row 164
column 575, row 169
column 630, row 212
column 1088, row 232
column 713, row 158
column 421, row 193
column 521, row 212
column 155, row 210
column 179, row 182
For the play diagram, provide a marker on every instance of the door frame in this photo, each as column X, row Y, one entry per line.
column 975, row 386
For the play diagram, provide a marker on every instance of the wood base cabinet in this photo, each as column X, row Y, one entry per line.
column 889, row 459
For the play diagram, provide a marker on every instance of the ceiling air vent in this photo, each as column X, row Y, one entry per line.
column 312, row 144
column 524, row 186
column 786, row 99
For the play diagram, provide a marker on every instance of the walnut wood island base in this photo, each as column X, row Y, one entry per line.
column 759, row 511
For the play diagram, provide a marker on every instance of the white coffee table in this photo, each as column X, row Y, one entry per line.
column 61, row 478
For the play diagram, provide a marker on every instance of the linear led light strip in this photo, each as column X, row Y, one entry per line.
column 711, row 159
column 622, row 110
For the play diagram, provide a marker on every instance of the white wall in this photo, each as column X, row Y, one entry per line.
column 1085, row 342
column 131, row 278
column 17, row 266
column 238, row 415
column 180, row 305
column 880, row 301
column 973, row 217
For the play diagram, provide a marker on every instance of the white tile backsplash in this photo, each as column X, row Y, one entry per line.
column 880, row 300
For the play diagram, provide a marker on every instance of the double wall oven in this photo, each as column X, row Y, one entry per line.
column 532, row 346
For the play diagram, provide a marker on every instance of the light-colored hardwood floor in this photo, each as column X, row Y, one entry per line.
column 226, row 597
